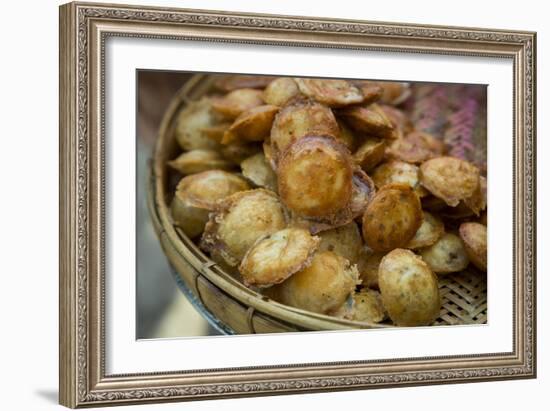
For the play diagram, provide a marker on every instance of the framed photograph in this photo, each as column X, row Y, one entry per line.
column 260, row 204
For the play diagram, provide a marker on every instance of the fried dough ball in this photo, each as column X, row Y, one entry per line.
column 257, row 170
column 322, row 287
column 190, row 123
column 280, row 91
column 274, row 258
column 394, row 93
column 474, row 236
column 416, row 147
column 447, row 255
column 369, row 120
column 409, row 289
column 399, row 120
column 239, row 220
column 298, row 119
column 238, row 81
column 198, row 194
column 399, row 172
column 196, row 161
column 371, row 91
column 370, row 153
column 478, row 201
column 315, row 177
column 237, row 101
column 252, row 125
column 345, row 241
column 368, row 306
column 368, row 264
column 430, row 231
column 333, row 93
column 450, row 179
column 392, row 217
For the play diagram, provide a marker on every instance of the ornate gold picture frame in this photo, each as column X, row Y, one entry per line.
column 84, row 29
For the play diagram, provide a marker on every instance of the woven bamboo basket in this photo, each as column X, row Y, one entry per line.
column 234, row 308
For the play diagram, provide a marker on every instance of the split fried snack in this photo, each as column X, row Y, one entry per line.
column 430, row 231
column 363, row 192
column 315, row 177
column 392, row 217
column 446, row 255
column 257, row 170
column 198, row 194
column 416, row 147
column 369, row 120
column 190, row 123
column 399, row 172
column 368, row 264
column 370, row 153
column 368, row 306
column 275, row 257
column 371, row 91
column 399, row 120
column 474, row 237
column 322, row 287
column 236, row 102
column 409, row 289
column 215, row 132
column 298, row 119
column 394, row 93
column 199, row 160
column 450, row 179
column 344, row 240
column 252, row 125
column 347, row 137
column 280, row 91
column 333, row 93
column 238, row 152
column 230, row 82
column 241, row 219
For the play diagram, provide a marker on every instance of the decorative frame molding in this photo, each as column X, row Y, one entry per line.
column 83, row 30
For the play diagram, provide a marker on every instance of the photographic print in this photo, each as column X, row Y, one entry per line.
column 241, row 193
column 340, row 203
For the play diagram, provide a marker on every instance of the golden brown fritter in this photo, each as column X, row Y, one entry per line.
column 199, row 160
column 236, row 102
column 370, row 120
column 280, row 91
column 333, row 93
column 430, row 231
column 416, row 147
column 446, row 255
column 474, row 237
column 252, row 125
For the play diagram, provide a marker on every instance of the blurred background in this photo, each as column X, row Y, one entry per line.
column 162, row 310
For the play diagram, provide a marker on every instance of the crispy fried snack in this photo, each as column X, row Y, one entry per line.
column 252, row 125
column 199, row 160
column 190, row 123
column 371, row 91
column 368, row 306
column 333, row 93
column 216, row 131
column 236, row 102
column 323, row 287
column 447, row 255
column 478, row 201
column 347, row 136
column 370, row 153
column 368, row 264
column 409, row 289
column 474, row 236
column 239, row 220
column 450, row 179
column 416, row 147
column 300, row 118
column 430, row 231
column 344, row 240
column 369, row 120
column 274, row 258
column 394, row 93
column 280, row 91
column 198, row 194
column 399, row 120
column 233, row 82
column 392, row 217
column 399, row 172
column 315, row 177
column 257, row 170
